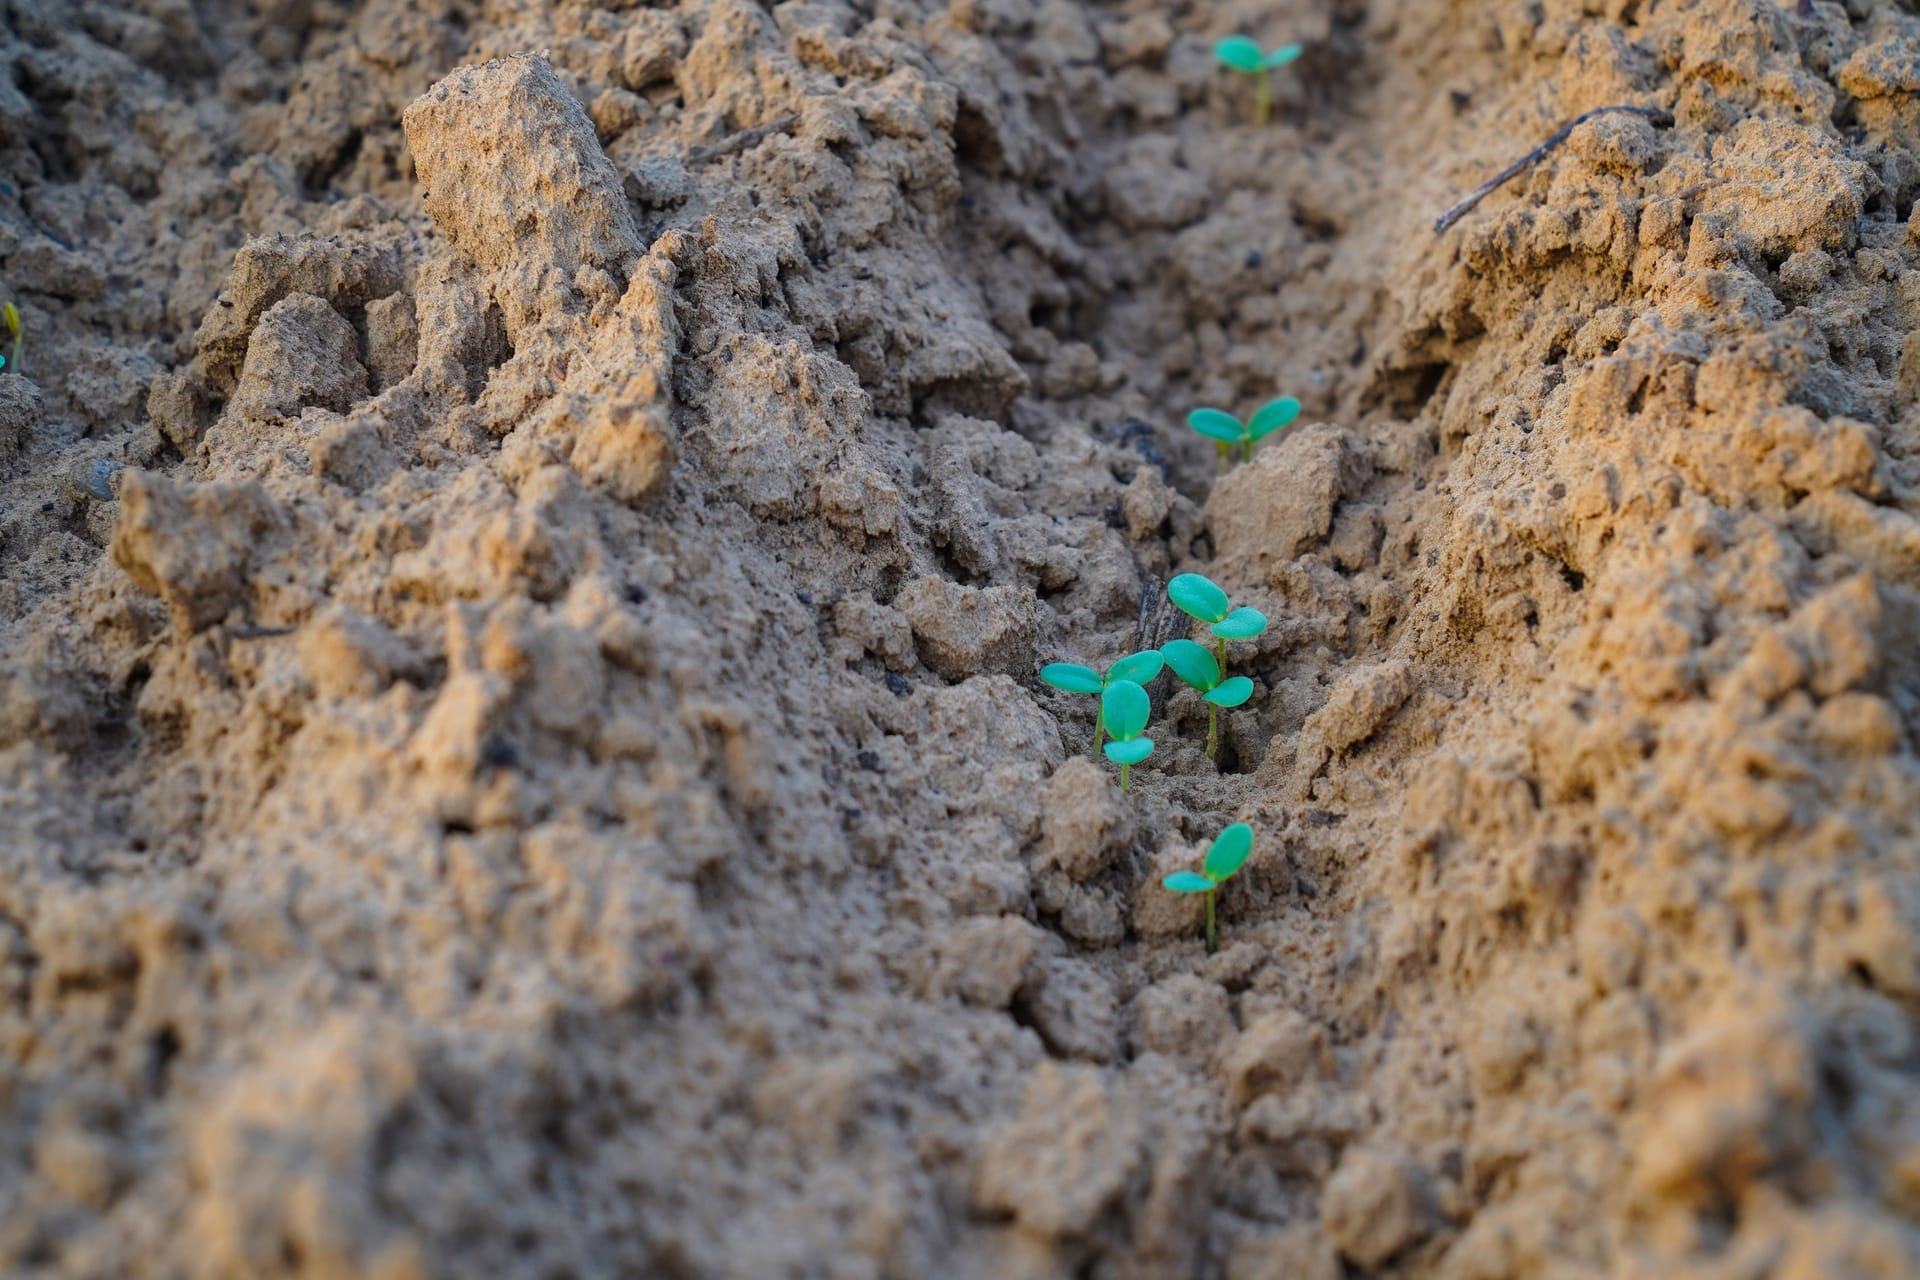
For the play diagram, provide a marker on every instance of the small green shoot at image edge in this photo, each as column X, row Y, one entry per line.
column 1241, row 54
column 1226, row 431
column 1124, row 708
column 1227, row 855
column 1200, row 597
column 1074, row 678
column 10, row 314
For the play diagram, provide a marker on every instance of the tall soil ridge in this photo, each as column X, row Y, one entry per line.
column 527, row 533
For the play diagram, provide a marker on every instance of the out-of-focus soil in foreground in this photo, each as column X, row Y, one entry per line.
column 521, row 581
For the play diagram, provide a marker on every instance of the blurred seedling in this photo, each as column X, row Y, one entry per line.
column 1199, row 597
column 10, row 314
column 1226, row 431
column 1193, row 664
column 1227, row 855
column 1241, row 54
column 1124, row 709
column 1074, row 678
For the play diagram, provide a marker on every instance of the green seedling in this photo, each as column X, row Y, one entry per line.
column 1198, row 597
column 1226, row 856
column 1193, row 664
column 1124, row 708
column 11, row 315
column 1074, row 678
column 1226, row 431
column 1241, row 54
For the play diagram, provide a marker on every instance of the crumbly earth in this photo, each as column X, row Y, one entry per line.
column 526, row 535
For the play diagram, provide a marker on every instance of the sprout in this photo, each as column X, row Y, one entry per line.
column 10, row 314
column 1242, row 54
column 1193, row 664
column 1124, row 709
column 1226, row 856
column 1200, row 598
column 1225, row 430
column 1074, row 678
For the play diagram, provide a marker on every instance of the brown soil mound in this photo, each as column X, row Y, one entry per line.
column 522, row 576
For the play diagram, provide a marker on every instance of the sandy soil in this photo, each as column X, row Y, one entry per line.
column 527, row 534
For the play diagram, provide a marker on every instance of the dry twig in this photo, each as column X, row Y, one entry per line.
column 740, row 141
column 1664, row 119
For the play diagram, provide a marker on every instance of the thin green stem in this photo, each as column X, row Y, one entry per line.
column 1220, row 645
column 1099, row 728
column 1212, row 942
column 1213, row 730
column 1249, row 444
column 1123, row 779
column 1263, row 97
column 14, row 362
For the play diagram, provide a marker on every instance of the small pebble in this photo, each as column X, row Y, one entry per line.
column 102, row 479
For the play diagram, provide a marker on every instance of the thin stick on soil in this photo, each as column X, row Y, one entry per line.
column 1662, row 118
column 740, row 141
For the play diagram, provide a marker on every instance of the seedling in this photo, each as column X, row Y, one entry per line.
column 1124, row 709
column 11, row 315
column 1226, row 431
column 1242, row 54
column 1074, row 678
column 1193, row 664
column 1199, row 597
column 1226, row 856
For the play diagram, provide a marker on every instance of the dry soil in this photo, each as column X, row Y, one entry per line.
column 526, row 535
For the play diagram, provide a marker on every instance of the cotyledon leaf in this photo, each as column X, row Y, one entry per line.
column 1283, row 55
column 1137, row 667
column 1217, row 424
column 1199, row 596
column 1229, row 852
column 1242, row 624
column 1192, row 663
column 1072, row 677
column 1240, row 53
column 1272, row 416
column 1230, row 693
column 1188, row 882
column 1125, row 708
column 1132, row 751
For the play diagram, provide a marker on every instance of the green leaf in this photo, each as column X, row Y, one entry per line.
column 1188, row 882
column 1229, row 852
column 1125, row 708
column 1137, row 667
column 1217, row 424
column 1239, row 53
column 1198, row 597
column 1132, row 751
column 1231, row 693
column 1072, row 677
column 1272, row 416
column 1242, row 624
column 1192, row 663
column 1283, row 55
